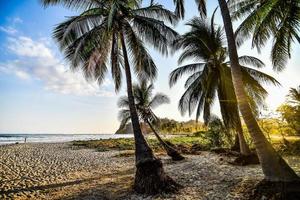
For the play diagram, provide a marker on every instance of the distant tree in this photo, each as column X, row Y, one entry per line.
column 145, row 102
column 216, row 130
column 290, row 111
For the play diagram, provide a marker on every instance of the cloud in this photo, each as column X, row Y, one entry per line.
column 17, row 20
column 8, row 30
column 24, row 46
column 36, row 61
column 11, row 28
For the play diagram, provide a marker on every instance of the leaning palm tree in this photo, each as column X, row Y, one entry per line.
column 263, row 20
column 113, row 32
column 211, row 76
column 145, row 103
column 267, row 155
column 273, row 165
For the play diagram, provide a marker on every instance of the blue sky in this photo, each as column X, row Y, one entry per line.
column 39, row 94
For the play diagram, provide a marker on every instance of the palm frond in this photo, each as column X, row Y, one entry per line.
column 252, row 61
column 123, row 102
column 154, row 32
column 179, row 8
column 144, row 66
column 116, row 62
column 74, row 4
column 259, row 76
column 124, row 117
column 158, row 100
column 202, row 7
column 157, row 11
column 186, row 69
column 277, row 19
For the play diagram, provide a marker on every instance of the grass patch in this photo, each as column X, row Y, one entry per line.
column 126, row 153
column 185, row 144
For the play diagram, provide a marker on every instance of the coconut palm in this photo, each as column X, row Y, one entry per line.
column 145, row 102
column 273, row 166
column 113, row 33
column 263, row 20
column 210, row 76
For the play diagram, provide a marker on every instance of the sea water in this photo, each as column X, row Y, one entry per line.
column 53, row 138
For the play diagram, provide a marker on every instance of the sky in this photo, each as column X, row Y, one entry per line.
column 40, row 94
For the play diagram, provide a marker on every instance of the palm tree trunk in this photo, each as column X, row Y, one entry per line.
column 150, row 177
column 273, row 166
column 142, row 149
column 175, row 155
column 236, row 145
column 244, row 148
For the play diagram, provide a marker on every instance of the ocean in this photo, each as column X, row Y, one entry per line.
column 53, row 138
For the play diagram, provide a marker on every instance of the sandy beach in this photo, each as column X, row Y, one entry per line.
column 61, row 171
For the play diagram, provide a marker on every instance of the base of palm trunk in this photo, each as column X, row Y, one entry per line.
column 235, row 147
column 243, row 160
column 151, row 179
column 175, row 155
column 276, row 190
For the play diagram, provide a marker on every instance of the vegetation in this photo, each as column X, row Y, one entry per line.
column 266, row 19
column 145, row 102
column 290, row 111
column 114, row 32
column 211, row 77
column 169, row 126
column 280, row 170
column 200, row 141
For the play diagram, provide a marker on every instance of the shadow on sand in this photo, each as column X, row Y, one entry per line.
column 106, row 187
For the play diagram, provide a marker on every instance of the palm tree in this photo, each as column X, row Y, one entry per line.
column 212, row 77
column 113, row 32
column 145, row 103
column 265, row 19
column 273, row 165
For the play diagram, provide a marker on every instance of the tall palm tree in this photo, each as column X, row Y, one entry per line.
column 266, row 19
column 273, row 165
column 113, row 32
column 211, row 76
column 145, row 102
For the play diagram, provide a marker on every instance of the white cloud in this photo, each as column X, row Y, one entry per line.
column 11, row 28
column 36, row 61
column 8, row 30
column 24, row 46
column 17, row 20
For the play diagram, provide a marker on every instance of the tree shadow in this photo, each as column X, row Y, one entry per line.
column 107, row 186
column 118, row 187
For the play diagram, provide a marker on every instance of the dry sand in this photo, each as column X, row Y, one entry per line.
column 60, row 171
